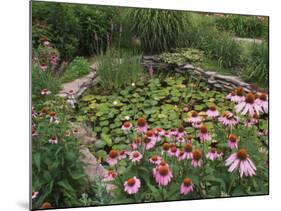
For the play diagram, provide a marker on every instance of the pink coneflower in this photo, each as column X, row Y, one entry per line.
column 173, row 132
column 196, row 158
column 262, row 101
column 53, row 116
column 155, row 159
column 232, row 141
column 173, row 151
column 167, row 134
column 141, row 125
column 136, row 143
column 162, row 174
column 33, row 112
column 112, row 157
column 212, row 154
column 189, row 139
column 149, row 142
column 34, row 194
column 135, row 156
column 34, row 132
column 132, row 185
column 166, row 146
column 204, row 135
column 186, row 186
column 159, row 131
column 126, row 127
column 187, row 153
column 228, row 119
column 43, row 67
column 45, row 92
column 248, row 106
column 242, row 161
column 54, row 59
column 194, row 118
column 181, row 132
column 46, row 42
column 151, row 71
column 71, row 94
column 197, row 124
column 219, row 153
column 53, row 140
column 239, row 95
column 185, row 109
column 110, row 175
column 67, row 133
column 231, row 95
column 181, row 139
column 150, row 134
column 123, row 154
column 212, row 112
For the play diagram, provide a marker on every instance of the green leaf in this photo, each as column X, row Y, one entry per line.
column 106, row 138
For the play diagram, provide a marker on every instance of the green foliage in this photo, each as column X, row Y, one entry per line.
column 117, row 68
column 257, row 68
column 244, row 26
column 56, row 168
column 217, row 45
column 160, row 102
column 182, row 56
column 158, row 30
column 77, row 68
column 73, row 28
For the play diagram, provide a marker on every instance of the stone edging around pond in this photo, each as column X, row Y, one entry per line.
column 218, row 81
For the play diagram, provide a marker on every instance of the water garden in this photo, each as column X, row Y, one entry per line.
column 139, row 105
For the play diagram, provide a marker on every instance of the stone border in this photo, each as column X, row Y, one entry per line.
column 218, row 81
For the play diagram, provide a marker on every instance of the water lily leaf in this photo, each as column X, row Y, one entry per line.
column 106, row 138
column 87, row 98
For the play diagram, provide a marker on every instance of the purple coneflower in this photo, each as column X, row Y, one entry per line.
column 155, row 159
column 53, row 140
column 196, row 158
column 212, row 112
column 232, row 141
column 212, row 154
column 112, row 157
column 249, row 105
column 135, row 156
column 186, row 186
column 204, row 135
column 228, row 119
column 242, row 161
column 126, row 127
column 173, row 151
column 194, row 118
column 45, row 92
column 132, row 185
column 162, row 174
column 262, row 101
column 141, row 125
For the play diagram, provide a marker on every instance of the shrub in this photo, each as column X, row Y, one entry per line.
column 202, row 34
column 57, row 171
column 77, row 68
column 243, row 26
column 74, row 29
column 258, row 64
column 117, row 68
column 157, row 30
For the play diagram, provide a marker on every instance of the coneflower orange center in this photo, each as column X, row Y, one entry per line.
column 181, row 129
column 46, row 205
column 240, row 91
column 149, row 133
column 187, row 181
column 141, row 122
column 154, row 158
column 263, row 97
column 136, row 154
column 52, row 113
column 113, row 154
column 213, row 108
column 232, row 137
column 166, row 146
column 131, row 181
column 194, row 114
column 196, row 155
column 203, row 129
column 242, row 154
column 127, row 124
column 163, row 170
column 188, row 148
column 250, row 98
column 174, row 149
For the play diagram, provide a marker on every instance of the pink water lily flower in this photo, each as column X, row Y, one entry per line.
column 241, row 161
column 186, row 187
column 132, row 185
